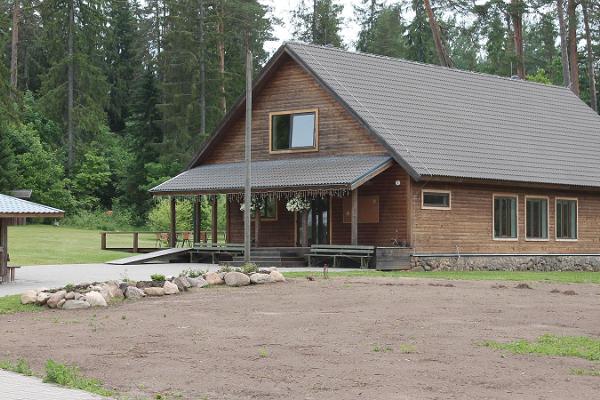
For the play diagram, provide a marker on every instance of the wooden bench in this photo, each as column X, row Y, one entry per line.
column 11, row 272
column 364, row 254
column 216, row 249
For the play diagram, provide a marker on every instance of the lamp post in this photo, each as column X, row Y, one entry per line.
column 248, row 152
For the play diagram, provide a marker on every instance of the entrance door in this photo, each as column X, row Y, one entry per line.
column 318, row 222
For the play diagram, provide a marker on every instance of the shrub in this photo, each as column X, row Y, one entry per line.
column 158, row 277
column 117, row 220
column 249, row 268
column 192, row 273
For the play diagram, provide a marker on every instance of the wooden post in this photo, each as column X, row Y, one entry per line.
column 173, row 225
column 197, row 218
column 4, row 246
column 102, row 240
column 136, row 242
column 354, row 227
column 214, row 224
column 257, row 228
column 305, row 228
column 248, row 152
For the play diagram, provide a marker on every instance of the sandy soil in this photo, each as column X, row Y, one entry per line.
column 317, row 340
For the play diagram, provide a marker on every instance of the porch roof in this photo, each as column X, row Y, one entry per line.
column 14, row 207
column 340, row 172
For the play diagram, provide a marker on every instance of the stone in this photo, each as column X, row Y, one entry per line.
column 132, row 292
column 261, row 278
column 197, row 282
column 271, row 269
column 114, row 289
column 182, row 283
column 214, row 278
column 170, row 288
column 123, row 286
column 277, row 276
column 154, row 291
column 29, row 297
column 236, row 279
column 95, row 299
column 77, row 296
column 55, row 298
column 70, row 296
column 61, row 303
column 75, row 304
column 42, row 298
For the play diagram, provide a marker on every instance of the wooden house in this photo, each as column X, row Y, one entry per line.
column 437, row 167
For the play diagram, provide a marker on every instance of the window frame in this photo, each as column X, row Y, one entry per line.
column 576, row 200
column 505, row 195
column 533, row 197
column 299, row 149
column 425, row 207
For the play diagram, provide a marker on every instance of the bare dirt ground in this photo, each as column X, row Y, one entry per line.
column 320, row 340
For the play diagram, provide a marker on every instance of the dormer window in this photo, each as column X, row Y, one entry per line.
column 292, row 131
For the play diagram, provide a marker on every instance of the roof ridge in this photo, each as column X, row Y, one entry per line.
column 433, row 66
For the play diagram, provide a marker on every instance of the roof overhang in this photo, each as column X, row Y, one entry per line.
column 12, row 207
column 304, row 174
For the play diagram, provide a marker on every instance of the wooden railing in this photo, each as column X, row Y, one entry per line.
column 146, row 241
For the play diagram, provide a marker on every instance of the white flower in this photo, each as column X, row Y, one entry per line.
column 297, row 204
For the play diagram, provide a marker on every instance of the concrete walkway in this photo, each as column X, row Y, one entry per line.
column 53, row 276
column 19, row 387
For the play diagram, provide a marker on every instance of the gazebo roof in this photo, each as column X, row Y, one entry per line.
column 11, row 207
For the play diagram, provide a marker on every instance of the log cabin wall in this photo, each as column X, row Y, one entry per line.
column 291, row 88
column 468, row 224
column 393, row 211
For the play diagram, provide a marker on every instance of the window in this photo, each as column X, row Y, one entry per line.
column 536, row 215
column 294, row 131
column 436, row 200
column 505, row 217
column 566, row 219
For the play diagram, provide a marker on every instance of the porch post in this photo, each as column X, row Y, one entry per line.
column 4, row 247
column 173, row 224
column 257, row 228
column 214, row 223
column 197, row 218
column 305, row 228
column 354, row 228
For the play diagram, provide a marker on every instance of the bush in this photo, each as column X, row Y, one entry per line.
column 192, row 273
column 117, row 220
column 158, row 277
column 159, row 218
column 249, row 268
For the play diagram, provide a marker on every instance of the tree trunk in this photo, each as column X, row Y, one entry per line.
column 14, row 55
column 590, row 55
column 564, row 52
column 202, row 73
column 221, row 52
column 70, row 88
column 315, row 15
column 440, row 49
column 573, row 65
column 516, row 15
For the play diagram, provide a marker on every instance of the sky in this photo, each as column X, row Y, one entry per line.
column 282, row 9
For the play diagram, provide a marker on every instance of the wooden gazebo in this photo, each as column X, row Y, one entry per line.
column 10, row 208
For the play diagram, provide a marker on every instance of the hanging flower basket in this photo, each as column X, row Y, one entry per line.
column 297, row 204
column 255, row 204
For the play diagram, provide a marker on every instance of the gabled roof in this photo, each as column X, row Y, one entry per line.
column 14, row 207
column 440, row 122
column 344, row 172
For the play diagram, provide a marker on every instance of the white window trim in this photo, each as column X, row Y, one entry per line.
column 528, row 239
column 424, row 207
column 556, row 219
column 515, row 196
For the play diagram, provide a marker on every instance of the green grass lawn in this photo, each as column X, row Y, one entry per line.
column 551, row 345
column 46, row 244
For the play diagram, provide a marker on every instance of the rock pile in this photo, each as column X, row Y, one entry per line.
column 88, row 295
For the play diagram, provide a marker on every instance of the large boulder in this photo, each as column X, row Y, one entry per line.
column 75, row 304
column 29, row 297
column 70, row 296
column 277, row 276
column 197, row 282
column 42, row 298
column 260, row 278
column 214, row 278
column 236, row 279
column 182, row 283
column 134, row 293
column 154, row 291
column 170, row 288
column 61, row 303
column 55, row 298
column 95, row 299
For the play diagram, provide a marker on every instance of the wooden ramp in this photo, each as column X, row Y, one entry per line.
column 142, row 258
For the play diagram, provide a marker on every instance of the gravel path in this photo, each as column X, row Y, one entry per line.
column 18, row 387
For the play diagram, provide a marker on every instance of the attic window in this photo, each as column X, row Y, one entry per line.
column 435, row 199
column 294, row 131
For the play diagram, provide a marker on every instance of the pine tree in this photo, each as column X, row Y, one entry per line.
column 319, row 22
column 383, row 32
